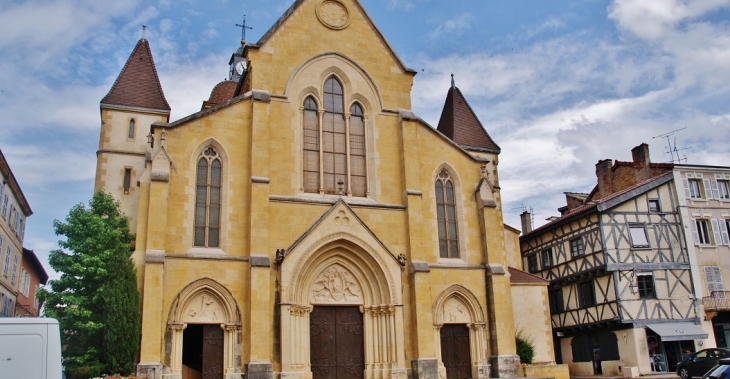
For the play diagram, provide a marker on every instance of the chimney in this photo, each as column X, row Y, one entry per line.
column 640, row 155
column 604, row 174
column 526, row 219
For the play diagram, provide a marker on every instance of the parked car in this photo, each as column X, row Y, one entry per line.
column 699, row 363
column 721, row 371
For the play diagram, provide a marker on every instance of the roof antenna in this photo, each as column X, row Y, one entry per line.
column 452, row 80
column 144, row 29
column 672, row 149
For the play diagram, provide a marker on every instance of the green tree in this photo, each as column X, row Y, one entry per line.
column 95, row 300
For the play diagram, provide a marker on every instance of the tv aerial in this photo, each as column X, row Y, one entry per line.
column 671, row 147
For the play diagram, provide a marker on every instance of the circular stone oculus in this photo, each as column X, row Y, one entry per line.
column 333, row 14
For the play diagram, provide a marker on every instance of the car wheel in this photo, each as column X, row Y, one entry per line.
column 684, row 373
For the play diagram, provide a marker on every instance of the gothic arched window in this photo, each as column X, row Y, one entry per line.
column 357, row 151
column 311, row 146
column 446, row 215
column 208, row 199
column 334, row 144
column 130, row 132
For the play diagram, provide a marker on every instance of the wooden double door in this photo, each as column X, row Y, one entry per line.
column 336, row 343
column 455, row 352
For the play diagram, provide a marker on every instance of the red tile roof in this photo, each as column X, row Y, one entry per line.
column 461, row 125
column 222, row 91
column 595, row 203
column 517, row 276
column 138, row 84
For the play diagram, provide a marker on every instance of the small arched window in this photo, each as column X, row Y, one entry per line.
column 446, row 215
column 208, row 199
column 334, row 144
column 130, row 132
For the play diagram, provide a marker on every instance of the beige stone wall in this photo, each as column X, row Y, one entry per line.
column 532, row 319
column 118, row 152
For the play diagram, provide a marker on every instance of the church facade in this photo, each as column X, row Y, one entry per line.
column 306, row 223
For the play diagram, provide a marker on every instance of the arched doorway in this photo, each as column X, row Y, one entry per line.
column 204, row 323
column 342, row 311
column 460, row 334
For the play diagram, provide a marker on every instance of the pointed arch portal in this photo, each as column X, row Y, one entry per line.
column 211, row 310
column 344, row 285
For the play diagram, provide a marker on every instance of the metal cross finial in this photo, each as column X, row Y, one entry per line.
column 452, row 80
column 243, row 28
column 144, row 30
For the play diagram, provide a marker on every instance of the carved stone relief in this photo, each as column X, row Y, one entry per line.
column 204, row 308
column 341, row 219
column 336, row 284
column 456, row 312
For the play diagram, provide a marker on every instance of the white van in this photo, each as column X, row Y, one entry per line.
column 30, row 348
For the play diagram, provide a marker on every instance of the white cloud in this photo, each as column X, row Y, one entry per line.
column 652, row 20
column 453, row 26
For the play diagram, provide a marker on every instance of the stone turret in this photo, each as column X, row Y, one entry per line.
column 134, row 102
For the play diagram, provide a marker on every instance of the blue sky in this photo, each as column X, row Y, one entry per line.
column 557, row 84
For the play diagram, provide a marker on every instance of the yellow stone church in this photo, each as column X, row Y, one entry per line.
column 307, row 224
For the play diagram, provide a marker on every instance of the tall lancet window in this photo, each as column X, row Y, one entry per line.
column 357, row 151
column 311, row 146
column 334, row 138
column 334, row 144
column 446, row 214
column 208, row 199
column 130, row 132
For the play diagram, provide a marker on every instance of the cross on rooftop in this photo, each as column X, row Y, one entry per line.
column 243, row 28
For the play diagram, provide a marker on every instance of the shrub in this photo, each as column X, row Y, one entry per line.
column 525, row 348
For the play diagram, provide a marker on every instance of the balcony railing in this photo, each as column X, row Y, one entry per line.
column 717, row 301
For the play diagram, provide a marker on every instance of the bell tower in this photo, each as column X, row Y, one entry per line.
column 134, row 102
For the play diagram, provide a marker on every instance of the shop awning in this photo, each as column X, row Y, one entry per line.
column 678, row 331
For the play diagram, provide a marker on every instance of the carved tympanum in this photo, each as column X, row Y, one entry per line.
column 455, row 312
column 204, row 308
column 335, row 284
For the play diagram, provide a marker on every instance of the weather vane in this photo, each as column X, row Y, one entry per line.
column 243, row 28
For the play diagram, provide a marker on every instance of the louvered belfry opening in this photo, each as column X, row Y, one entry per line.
column 341, row 154
column 208, row 199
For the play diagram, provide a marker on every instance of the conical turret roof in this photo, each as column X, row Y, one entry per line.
column 138, row 84
column 461, row 125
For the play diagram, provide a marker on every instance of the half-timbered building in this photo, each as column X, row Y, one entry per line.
column 704, row 204
column 620, row 289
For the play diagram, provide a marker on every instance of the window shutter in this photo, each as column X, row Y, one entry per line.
column 716, row 231
column 708, row 188
column 724, row 232
column 694, row 231
column 715, row 190
column 687, row 194
column 709, row 278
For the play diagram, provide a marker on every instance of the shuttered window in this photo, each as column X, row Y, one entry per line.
column 334, row 145
column 208, row 199
column 713, row 277
column 446, row 215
